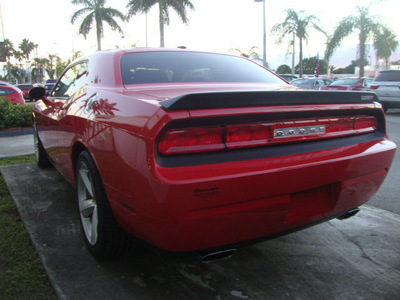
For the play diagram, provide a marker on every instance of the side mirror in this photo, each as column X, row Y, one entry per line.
column 37, row 93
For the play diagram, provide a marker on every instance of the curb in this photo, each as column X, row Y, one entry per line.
column 16, row 131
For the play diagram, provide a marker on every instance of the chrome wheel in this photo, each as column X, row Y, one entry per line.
column 88, row 210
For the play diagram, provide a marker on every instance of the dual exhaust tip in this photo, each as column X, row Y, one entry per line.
column 218, row 255
column 348, row 214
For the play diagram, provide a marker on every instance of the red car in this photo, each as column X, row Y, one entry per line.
column 11, row 92
column 194, row 151
column 25, row 89
column 349, row 84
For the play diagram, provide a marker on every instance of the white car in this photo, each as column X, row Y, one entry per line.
column 387, row 87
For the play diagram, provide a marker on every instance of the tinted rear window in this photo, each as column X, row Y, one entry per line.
column 345, row 81
column 160, row 67
column 388, row 76
column 25, row 87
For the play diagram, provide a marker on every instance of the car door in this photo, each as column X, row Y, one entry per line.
column 70, row 87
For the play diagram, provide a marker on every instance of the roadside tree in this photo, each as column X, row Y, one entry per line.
column 283, row 69
column 385, row 44
column 143, row 6
column 362, row 23
column 95, row 12
column 297, row 23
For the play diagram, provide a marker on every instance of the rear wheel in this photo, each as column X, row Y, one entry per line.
column 41, row 157
column 101, row 232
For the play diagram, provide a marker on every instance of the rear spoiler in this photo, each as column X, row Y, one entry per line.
column 264, row 98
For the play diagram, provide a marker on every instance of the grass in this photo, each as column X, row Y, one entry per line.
column 22, row 275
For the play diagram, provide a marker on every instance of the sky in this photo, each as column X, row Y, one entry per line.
column 215, row 25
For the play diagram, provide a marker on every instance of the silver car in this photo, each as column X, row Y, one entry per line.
column 387, row 86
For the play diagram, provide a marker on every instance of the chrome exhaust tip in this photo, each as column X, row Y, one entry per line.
column 348, row 214
column 218, row 255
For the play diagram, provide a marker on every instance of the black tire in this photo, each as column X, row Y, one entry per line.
column 385, row 107
column 41, row 157
column 102, row 235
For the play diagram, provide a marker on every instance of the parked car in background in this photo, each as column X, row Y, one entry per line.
column 197, row 151
column 51, row 81
column 11, row 92
column 349, row 84
column 48, row 87
column 310, row 83
column 25, row 87
column 387, row 86
column 288, row 77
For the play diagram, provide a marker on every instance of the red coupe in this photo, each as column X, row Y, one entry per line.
column 12, row 93
column 199, row 151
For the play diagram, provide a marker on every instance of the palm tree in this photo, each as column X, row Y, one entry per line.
column 252, row 54
column 8, row 52
column 38, row 65
column 365, row 25
column 50, row 65
column 95, row 11
column 385, row 44
column 26, row 47
column 296, row 23
column 143, row 6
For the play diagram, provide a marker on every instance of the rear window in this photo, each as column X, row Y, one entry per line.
column 345, row 81
column 388, row 76
column 164, row 67
column 25, row 86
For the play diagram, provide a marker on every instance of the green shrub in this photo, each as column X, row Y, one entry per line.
column 12, row 115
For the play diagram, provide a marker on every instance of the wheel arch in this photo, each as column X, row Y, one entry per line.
column 77, row 149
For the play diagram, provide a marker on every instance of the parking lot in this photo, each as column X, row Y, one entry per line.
column 358, row 258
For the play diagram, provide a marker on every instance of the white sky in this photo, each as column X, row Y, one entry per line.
column 215, row 25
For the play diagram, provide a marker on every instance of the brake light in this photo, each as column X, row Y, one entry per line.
column 191, row 140
column 373, row 87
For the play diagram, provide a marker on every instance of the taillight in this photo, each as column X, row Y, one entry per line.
column 373, row 87
column 190, row 140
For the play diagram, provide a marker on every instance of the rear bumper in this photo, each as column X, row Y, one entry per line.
column 208, row 206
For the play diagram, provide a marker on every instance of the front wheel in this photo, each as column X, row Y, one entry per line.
column 101, row 232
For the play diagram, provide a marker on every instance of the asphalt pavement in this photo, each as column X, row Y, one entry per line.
column 16, row 145
column 358, row 258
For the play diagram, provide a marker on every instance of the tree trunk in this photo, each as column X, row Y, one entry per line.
column 362, row 54
column 301, row 57
column 161, row 24
column 98, row 32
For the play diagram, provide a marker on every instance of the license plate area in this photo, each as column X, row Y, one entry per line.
column 311, row 203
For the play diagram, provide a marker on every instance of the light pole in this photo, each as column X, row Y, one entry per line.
column 264, row 35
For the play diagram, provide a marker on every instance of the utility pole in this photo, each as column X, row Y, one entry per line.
column 264, row 34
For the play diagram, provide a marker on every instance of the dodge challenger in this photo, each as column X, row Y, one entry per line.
column 192, row 151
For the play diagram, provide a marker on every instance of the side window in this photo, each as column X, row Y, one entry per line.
column 71, row 81
column 5, row 92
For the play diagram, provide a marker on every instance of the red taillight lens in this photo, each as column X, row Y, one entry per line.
column 365, row 125
column 248, row 135
column 190, row 140
column 373, row 87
